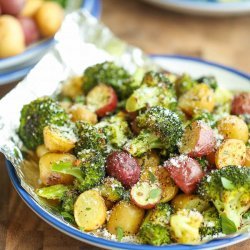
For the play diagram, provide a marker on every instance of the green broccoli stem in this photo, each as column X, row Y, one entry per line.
column 144, row 142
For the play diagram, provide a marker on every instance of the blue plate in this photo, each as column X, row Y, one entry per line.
column 16, row 67
column 227, row 77
column 206, row 7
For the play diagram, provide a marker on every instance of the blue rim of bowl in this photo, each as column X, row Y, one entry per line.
column 93, row 6
column 75, row 233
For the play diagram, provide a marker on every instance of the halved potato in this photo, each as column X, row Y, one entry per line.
column 198, row 140
column 247, row 161
column 230, row 152
column 49, row 177
column 232, row 127
column 90, row 210
column 168, row 186
column 200, row 97
column 58, row 139
column 126, row 216
column 72, row 87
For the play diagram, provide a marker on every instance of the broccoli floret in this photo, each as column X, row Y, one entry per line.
column 89, row 137
column 110, row 74
column 211, row 225
column 67, row 205
column 156, row 90
column 111, row 189
column 209, row 80
column 185, row 226
column 116, row 130
column 161, row 128
column 184, row 83
column 228, row 189
column 155, row 228
column 89, row 172
column 65, row 194
column 37, row 115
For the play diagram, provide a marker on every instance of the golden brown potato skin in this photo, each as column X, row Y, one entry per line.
column 127, row 216
column 232, row 127
column 12, row 41
column 189, row 201
column 49, row 18
column 47, row 176
column 90, row 210
column 56, row 142
column 230, row 152
column 31, row 7
column 247, row 161
column 72, row 87
column 200, row 97
column 79, row 112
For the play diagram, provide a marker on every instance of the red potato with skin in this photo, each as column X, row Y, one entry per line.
column 123, row 167
column 185, row 171
column 145, row 195
column 241, row 104
column 102, row 99
column 30, row 30
column 12, row 7
column 198, row 140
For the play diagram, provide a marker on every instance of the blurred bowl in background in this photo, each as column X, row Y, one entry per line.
column 206, row 7
column 16, row 67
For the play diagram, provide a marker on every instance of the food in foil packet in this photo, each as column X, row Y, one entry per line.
column 113, row 145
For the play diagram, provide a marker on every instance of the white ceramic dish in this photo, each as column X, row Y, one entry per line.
column 227, row 77
column 206, row 7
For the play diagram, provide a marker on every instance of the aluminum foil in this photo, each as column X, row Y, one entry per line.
column 82, row 41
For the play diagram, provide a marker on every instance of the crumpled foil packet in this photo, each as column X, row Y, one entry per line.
column 81, row 42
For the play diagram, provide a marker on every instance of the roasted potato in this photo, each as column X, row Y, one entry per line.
column 79, row 112
column 90, row 210
column 167, row 185
column 232, row 127
column 41, row 150
column 31, row 7
column 198, row 140
column 49, row 18
column 241, row 104
column 230, row 152
column 57, row 139
column 200, row 97
column 126, row 216
column 247, row 161
column 189, row 201
column 12, row 40
column 47, row 176
column 72, row 87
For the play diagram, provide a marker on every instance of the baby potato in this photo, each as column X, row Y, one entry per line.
column 41, row 150
column 247, row 161
column 47, row 176
column 126, row 216
column 230, row 152
column 90, row 210
column 232, row 127
column 72, row 87
column 189, row 201
column 79, row 112
column 12, row 40
column 167, row 185
column 200, row 97
column 31, row 7
column 49, row 18
column 56, row 139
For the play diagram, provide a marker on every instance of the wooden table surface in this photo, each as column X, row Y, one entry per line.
column 223, row 40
